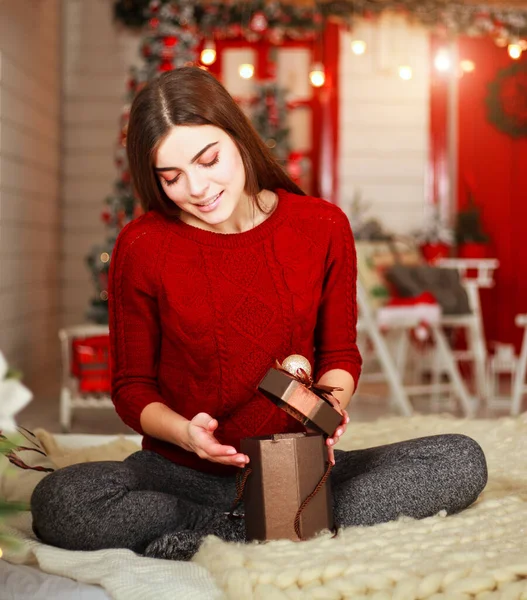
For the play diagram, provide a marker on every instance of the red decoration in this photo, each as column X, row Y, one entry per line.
column 154, row 22
column 432, row 252
column 258, row 23
column 147, row 51
column 165, row 65
column 106, row 216
column 91, row 363
column 170, row 40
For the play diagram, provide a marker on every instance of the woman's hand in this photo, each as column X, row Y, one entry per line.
column 200, row 439
column 331, row 441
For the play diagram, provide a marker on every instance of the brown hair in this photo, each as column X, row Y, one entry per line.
column 192, row 96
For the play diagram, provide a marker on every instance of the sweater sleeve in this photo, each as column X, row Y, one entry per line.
column 336, row 331
column 134, row 325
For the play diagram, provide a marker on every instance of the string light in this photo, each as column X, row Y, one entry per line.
column 105, row 257
column 317, row 75
column 208, row 54
column 467, row 66
column 358, row 47
column 514, row 50
column 442, row 61
column 523, row 45
column 246, row 70
column 405, row 72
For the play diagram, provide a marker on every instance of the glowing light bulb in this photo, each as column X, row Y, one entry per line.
column 405, row 72
column 523, row 45
column 246, row 71
column 442, row 61
column 467, row 66
column 317, row 75
column 501, row 42
column 514, row 51
column 358, row 47
column 208, row 54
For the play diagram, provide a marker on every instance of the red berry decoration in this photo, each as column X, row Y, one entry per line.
column 170, row 40
column 154, row 22
column 165, row 65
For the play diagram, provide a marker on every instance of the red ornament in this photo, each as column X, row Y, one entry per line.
column 170, row 40
column 106, row 216
column 125, row 177
column 258, row 22
column 165, row 65
column 154, row 22
column 147, row 51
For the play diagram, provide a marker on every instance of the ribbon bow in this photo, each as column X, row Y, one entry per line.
column 322, row 391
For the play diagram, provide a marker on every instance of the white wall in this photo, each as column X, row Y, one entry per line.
column 30, row 55
column 384, row 122
column 97, row 56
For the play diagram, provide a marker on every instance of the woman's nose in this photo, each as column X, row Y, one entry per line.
column 198, row 184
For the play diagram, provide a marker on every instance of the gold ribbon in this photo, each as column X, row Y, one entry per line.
column 322, row 391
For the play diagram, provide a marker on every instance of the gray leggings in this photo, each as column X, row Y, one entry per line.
column 129, row 504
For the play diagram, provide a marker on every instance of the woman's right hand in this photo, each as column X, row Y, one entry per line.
column 201, row 440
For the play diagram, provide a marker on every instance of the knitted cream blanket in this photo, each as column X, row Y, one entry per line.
column 479, row 553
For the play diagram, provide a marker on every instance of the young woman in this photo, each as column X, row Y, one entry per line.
column 230, row 268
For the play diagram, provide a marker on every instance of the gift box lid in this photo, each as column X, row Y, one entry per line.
column 294, row 397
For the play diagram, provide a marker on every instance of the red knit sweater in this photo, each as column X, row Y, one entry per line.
column 197, row 318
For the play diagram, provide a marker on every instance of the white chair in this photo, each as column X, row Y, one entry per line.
column 402, row 322
column 472, row 322
column 520, row 386
column 70, row 396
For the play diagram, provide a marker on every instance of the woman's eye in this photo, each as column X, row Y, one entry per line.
column 212, row 162
column 170, row 182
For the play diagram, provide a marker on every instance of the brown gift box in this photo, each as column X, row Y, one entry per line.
column 285, row 470
column 300, row 402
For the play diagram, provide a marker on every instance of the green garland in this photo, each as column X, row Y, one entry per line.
column 453, row 17
column 507, row 102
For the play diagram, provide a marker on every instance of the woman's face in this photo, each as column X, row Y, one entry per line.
column 201, row 171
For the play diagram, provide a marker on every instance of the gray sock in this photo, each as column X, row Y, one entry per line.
column 182, row 545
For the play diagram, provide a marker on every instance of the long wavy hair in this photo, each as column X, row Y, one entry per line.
column 191, row 96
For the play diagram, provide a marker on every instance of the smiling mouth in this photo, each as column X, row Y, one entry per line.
column 209, row 202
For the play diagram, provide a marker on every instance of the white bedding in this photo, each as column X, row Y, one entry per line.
column 42, row 572
column 22, row 582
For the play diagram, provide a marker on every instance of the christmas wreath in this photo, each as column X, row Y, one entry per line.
column 507, row 100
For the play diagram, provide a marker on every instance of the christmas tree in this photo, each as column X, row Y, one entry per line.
column 169, row 42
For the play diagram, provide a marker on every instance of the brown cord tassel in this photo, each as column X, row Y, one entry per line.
column 308, row 500
column 241, row 480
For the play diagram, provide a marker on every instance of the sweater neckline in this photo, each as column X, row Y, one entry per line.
column 234, row 240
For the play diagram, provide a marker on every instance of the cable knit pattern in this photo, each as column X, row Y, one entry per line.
column 197, row 318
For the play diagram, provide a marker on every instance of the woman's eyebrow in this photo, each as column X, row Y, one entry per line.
column 193, row 159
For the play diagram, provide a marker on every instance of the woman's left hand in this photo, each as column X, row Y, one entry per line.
column 339, row 432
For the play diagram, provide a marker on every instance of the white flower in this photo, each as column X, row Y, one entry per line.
column 13, row 397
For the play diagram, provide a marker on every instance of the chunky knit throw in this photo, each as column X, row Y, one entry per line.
column 197, row 318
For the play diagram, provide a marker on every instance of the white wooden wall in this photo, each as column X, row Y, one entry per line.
column 384, row 122
column 30, row 228
column 97, row 56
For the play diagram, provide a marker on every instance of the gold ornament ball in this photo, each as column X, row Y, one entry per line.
column 294, row 362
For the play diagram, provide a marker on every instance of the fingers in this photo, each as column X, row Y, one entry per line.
column 204, row 420
column 331, row 455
